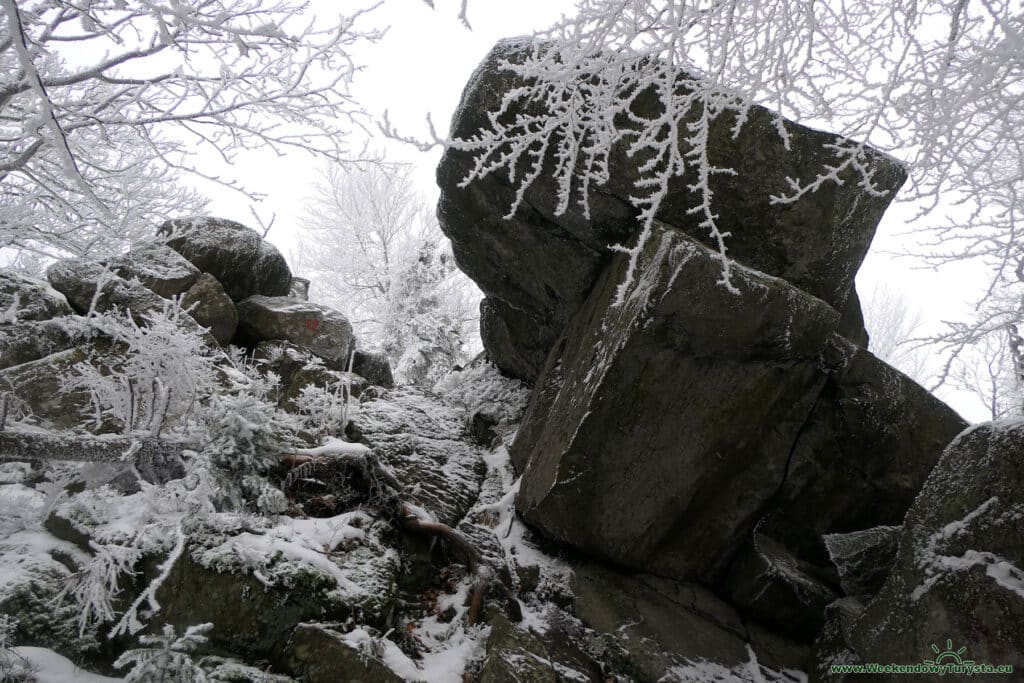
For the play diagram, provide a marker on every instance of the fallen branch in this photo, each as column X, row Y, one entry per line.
column 156, row 460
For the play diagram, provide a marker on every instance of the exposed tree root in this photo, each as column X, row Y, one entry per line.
column 396, row 504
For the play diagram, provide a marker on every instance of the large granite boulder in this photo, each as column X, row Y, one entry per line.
column 959, row 572
column 210, row 306
column 373, row 366
column 161, row 269
column 23, row 342
column 603, row 469
column 321, row 330
column 662, row 430
column 536, row 268
column 90, row 285
column 877, row 432
column 25, row 298
column 236, row 255
column 655, row 629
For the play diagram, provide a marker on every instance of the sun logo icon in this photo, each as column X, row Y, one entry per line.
column 949, row 655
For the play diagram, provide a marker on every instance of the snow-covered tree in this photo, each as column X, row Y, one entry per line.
column 43, row 215
column 357, row 230
column 894, row 331
column 372, row 248
column 423, row 330
column 102, row 103
column 988, row 372
column 166, row 657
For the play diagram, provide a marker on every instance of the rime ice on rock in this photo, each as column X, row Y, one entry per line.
column 23, row 298
column 319, row 329
column 241, row 261
column 959, row 573
column 537, row 266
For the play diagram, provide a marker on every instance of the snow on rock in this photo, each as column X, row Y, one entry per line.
column 255, row 580
column 24, row 298
column 420, row 439
column 161, row 269
column 241, row 261
column 49, row 667
column 26, row 550
column 26, row 341
column 35, row 567
column 959, row 572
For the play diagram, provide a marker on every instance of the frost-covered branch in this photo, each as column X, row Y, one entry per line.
column 103, row 103
column 935, row 83
column 147, row 453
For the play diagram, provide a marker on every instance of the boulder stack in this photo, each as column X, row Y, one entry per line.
column 243, row 262
column 959, row 572
column 537, row 268
column 677, row 428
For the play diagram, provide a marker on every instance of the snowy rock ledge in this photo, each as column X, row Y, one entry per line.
column 959, row 574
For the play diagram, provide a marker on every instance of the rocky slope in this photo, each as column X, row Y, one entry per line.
column 693, row 484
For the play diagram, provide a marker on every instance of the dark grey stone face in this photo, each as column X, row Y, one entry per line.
column 210, row 306
column 663, row 430
column 537, row 268
column 958, row 573
column 374, row 367
column 241, row 261
column 26, row 298
column 321, row 330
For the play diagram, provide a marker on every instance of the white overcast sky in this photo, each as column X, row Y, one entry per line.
column 421, row 66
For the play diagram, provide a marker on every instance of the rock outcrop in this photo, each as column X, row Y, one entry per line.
column 537, row 268
column 959, row 572
column 743, row 441
column 752, row 383
column 321, row 330
column 241, row 261
column 210, row 306
column 23, row 298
